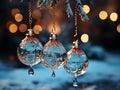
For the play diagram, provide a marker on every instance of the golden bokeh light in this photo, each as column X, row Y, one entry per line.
column 118, row 28
column 86, row 8
column 15, row 11
column 57, row 26
column 36, row 14
column 113, row 16
column 43, row 23
column 13, row 28
column 18, row 17
column 37, row 29
column 84, row 38
column 23, row 28
column 103, row 15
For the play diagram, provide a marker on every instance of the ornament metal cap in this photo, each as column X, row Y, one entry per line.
column 53, row 36
column 75, row 44
column 30, row 32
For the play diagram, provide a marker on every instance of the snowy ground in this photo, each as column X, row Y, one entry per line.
column 101, row 75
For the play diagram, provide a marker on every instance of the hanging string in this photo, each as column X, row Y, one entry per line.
column 82, row 13
column 76, row 28
column 75, row 15
column 30, row 14
column 53, row 3
column 54, row 22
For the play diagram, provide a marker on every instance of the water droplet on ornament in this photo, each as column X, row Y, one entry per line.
column 75, row 82
column 53, row 74
column 30, row 71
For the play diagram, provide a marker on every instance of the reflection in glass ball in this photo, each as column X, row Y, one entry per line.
column 53, row 54
column 29, row 50
column 76, row 62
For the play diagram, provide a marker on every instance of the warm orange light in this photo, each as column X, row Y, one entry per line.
column 113, row 16
column 84, row 38
column 57, row 27
column 22, row 28
column 36, row 14
column 37, row 29
column 86, row 8
column 43, row 23
column 13, row 28
column 18, row 17
column 11, row 57
column 15, row 11
column 118, row 28
column 103, row 15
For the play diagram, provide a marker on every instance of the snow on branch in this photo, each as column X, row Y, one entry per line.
column 40, row 3
column 83, row 15
column 68, row 9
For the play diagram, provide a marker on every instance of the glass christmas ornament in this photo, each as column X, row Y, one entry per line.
column 53, row 54
column 76, row 62
column 29, row 51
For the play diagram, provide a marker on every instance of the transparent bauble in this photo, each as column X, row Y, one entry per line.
column 29, row 51
column 53, row 54
column 76, row 62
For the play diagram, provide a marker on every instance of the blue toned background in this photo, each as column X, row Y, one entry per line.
column 102, row 48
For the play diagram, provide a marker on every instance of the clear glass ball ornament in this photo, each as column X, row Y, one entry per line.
column 29, row 51
column 53, row 54
column 76, row 62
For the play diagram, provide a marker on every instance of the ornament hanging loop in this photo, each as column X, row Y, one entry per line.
column 75, row 15
column 30, row 14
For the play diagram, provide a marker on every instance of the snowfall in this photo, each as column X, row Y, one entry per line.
column 101, row 75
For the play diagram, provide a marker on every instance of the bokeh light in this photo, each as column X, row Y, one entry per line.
column 18, row 17
column 57, row 26
column 86, row 8
column 13, row 28
column 103, row 15
column 15, row 11
column 37, row 29
column 84, row 38
column 23, row 28
column 36, row 14
column 43, row 23
column 118, row 28
column 113, row 16
column 11, row 57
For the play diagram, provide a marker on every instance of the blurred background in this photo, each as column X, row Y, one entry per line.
column 99, row 38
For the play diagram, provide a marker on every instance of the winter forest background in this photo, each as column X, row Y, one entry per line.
column 102, row 49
